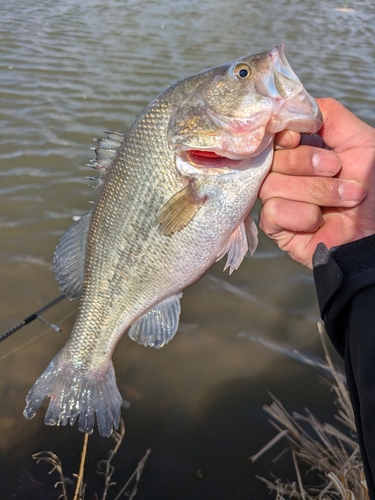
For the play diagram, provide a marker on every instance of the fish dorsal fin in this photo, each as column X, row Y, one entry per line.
column 69, row 257
column 243, row 239
column 107, row 150
column 179, row 211
column 70, row 253
column 159, row 325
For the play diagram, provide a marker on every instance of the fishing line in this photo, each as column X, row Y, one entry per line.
column 31, row 318
column 30, row 341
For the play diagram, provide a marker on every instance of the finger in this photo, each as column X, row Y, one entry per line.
column 336, row 230
column 306, row 160
column 286, row 215
column 338, row 126
column 322, row 191
column 332, row 227
column 301, row 245
column 287, row 139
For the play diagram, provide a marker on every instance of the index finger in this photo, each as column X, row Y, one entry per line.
column 306, row 160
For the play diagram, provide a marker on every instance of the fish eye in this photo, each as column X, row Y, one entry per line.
column 242, row 71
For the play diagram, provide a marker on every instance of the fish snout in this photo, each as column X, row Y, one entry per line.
column 294, row 107
column 279, row 81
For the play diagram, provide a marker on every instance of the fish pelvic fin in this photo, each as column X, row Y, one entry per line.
column 159, row 325
column 76, row 393
column 243, row 239
column 179, row 210
column 251, row 234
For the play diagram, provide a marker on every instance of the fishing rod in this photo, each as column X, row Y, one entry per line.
column 33, row 316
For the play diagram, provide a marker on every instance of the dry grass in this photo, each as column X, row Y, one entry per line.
column 331, row 453
column 105, row 468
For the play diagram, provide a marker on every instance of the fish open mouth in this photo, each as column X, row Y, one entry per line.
column 204, row 154
column 210, row 159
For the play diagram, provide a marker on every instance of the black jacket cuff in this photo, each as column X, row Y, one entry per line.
column 339, row 273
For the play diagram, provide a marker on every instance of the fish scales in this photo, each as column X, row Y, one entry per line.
column 125, row 197
column 176, row 196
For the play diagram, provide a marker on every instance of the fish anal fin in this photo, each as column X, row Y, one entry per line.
column 159, row 325
column 70, row 255
column 243, row 239
column 179, row 210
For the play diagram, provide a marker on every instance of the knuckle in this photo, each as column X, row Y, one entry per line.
column 265, row 218
column 325, row 191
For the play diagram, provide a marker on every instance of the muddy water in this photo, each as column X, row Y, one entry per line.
column 68, row 71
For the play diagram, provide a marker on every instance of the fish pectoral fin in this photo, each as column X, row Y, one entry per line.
column 159, row 325
column 179, row 210
column 243, row 238
column 251, row 234
column 70, row 255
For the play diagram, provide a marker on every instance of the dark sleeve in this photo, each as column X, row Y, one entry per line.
column 345, row 282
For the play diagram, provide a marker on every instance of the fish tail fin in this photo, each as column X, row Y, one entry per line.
column 77, row 393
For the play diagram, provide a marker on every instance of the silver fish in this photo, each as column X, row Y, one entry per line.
column 176, row 195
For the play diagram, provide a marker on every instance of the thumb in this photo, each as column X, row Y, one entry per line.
column 341, row 129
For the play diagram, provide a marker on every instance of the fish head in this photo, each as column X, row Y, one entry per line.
column 234, row 110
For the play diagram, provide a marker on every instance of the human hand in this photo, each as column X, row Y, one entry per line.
column 321, row 188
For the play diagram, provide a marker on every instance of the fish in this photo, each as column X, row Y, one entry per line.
column 175, row 194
